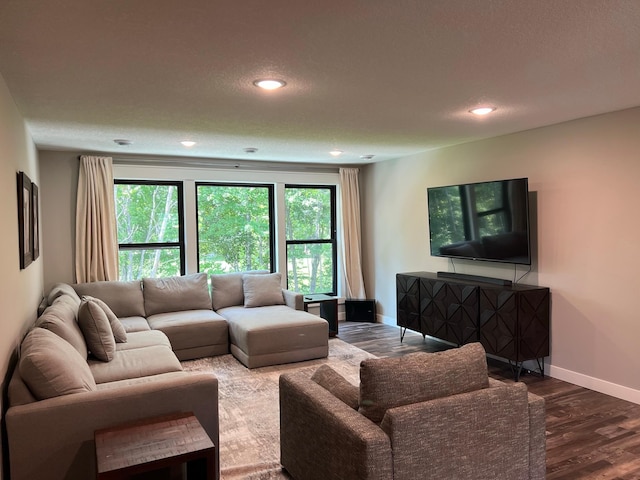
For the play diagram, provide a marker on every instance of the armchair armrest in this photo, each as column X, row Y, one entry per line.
column 54, row 438
column 322, row 438
column 293, row 299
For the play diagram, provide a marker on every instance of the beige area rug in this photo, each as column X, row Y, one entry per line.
column 249, row 410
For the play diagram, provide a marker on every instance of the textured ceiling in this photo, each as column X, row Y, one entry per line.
column 369, row 77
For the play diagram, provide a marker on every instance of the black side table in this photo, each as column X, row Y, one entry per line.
column 328, row 309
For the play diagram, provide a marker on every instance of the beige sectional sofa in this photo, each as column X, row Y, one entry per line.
column 59, row 394
column 105, row 353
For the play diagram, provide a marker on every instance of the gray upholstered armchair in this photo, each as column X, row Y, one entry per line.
column 420, row 416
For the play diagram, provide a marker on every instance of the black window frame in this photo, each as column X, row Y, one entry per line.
column 334, row 234
column 181, row 244
column 272, row 217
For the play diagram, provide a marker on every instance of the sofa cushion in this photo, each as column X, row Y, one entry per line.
column 191, row 328
column 60, row 318
column 337, row 385
column 135, row 363
column 135, row 324
column 124, row 298
column 146, row 338
column 174, row 294
column 119, row 332
column 63, row 289
column 391, row 382
column 97, row 331
column 262, row 290
column 51, row 367
column 226, row 288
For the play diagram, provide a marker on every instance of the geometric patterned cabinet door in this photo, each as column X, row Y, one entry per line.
column 511, row 322
column 514, row 323
column 407, row 289
column 449, row 311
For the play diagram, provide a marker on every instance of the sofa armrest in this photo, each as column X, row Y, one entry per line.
column 479, row 434
column 293, row 299
column 322, row 438
column 54, row 438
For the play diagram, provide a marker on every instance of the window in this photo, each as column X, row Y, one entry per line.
column 150, row 229
column 235, row 227
column 311, row 238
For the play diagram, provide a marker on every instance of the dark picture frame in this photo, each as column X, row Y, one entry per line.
column 35, row 222
column 25, row 224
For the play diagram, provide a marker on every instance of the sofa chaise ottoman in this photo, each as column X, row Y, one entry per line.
column 267, row 324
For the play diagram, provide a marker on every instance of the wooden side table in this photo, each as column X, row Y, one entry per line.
column 328, row 309
column 166, row 442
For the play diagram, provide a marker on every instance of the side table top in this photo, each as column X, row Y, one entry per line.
column 150, row 440
column 317, row 298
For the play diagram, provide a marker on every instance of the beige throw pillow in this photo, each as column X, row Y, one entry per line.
column 51, row 367
column 226, row 288
column 391, row 382
column 97, row 331
column 119, row 332
column 262, row 290
column 336, row 384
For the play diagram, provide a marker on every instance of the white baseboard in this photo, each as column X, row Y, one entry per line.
column 596, row 384
column 592, row 383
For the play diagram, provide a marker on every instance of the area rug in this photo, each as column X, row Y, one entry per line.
column 249, row 411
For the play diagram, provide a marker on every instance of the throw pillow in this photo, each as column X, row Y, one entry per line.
column 119, row 332
column 226, row 288
column 96, row 330
column 51, row 367
column 262, row 290
column 336, row 384
column 174, row 294
column 391, row 382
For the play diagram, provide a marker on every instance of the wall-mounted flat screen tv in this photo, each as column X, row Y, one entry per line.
column 481, row 221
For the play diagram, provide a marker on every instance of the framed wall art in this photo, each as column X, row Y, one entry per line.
column 35, row 222
column 25, row 222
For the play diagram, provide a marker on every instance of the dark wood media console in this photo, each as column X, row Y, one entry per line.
column 510, row 321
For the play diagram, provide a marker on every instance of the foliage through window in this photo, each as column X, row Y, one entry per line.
column 235, row 227
column 150, row 229
column 311, row 238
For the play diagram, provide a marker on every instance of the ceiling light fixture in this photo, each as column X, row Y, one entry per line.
column 335, row 152
column 250, row 150
column 269, row 83
column 482, row 110
column 188, row 143
column 123, row 142
column 367, row 157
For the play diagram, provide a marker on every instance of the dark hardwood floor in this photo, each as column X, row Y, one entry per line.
column 589, row 435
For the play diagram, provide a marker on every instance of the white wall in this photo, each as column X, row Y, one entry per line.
column 585, row 175
column 20, row 290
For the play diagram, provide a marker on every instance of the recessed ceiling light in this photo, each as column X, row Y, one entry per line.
column 188, row 143
column 335, row 152
column 367, row 157
column 482, row 110
column 250, row 150
column 269, row 83
column 123, row 142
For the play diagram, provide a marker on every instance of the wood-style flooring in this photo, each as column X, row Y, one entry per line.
column 589, row 435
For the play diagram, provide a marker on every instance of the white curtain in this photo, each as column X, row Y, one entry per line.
column 96, row 237
column 351, row 243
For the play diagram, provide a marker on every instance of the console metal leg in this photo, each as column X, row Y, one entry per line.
column 403, row 330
